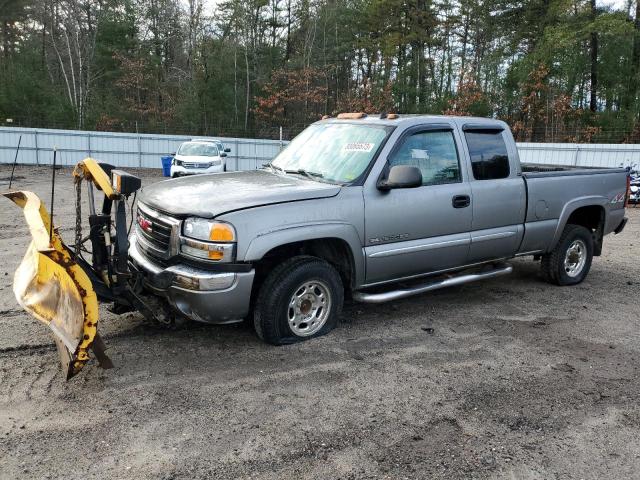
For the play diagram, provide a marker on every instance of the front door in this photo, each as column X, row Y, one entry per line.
column 425, row 229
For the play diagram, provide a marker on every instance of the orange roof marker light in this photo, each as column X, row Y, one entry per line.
column 324, row 117
column 389, row 116
column 351, row 116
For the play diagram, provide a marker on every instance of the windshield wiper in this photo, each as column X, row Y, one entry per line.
column 306, row 173
column 273, row 167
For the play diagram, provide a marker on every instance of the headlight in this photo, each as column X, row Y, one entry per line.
column 208, row 239
column 203, row 229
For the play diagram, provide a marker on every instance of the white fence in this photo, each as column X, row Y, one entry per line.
column 144, row 150
column 120, row 149
column 581, row 154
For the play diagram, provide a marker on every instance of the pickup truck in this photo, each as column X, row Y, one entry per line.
column 371, row 208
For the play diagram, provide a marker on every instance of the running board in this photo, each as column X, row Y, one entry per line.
column 497, row 271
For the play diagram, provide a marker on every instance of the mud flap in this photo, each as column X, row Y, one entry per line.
column 54, row 289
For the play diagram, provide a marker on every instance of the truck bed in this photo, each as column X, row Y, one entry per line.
column 553, row 192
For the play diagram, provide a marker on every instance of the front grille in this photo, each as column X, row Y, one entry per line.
column 195, row 165
column 156, row 232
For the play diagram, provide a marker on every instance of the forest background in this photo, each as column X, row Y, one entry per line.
column 555, row 70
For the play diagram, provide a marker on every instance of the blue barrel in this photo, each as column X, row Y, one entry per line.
column 166, row 166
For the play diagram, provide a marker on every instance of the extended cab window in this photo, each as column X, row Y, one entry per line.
column 489, row 157
column 434, row 153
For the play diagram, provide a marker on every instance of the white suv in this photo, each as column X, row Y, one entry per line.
column 199, row 156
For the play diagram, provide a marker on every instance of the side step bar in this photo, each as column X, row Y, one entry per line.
column 497, row 271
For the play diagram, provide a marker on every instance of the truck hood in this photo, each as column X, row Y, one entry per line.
column 208, row 196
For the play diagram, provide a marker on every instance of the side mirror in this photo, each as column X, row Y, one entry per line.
column 401, row 176
column 222, row 154
column 173, row 154
column 227, row 149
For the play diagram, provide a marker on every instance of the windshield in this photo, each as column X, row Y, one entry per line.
column 192, row 149
column 333, row 152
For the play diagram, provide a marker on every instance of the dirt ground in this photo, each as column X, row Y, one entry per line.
column 517, row 379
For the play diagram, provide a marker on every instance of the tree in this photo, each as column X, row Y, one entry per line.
column 300, row 93
column 555, row 69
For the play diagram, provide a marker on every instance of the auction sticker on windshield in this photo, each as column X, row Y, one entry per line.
column 358, row 147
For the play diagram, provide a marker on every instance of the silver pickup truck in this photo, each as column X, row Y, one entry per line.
column 373, row 208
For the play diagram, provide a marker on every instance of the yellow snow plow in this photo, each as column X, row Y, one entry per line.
column 54, row 289
column 58, row 286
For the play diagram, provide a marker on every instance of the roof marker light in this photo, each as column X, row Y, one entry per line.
column 351, row 115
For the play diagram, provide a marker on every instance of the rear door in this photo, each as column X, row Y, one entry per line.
column 420, row 230
column 498, row 193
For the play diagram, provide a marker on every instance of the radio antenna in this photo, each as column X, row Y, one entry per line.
column 15, row 159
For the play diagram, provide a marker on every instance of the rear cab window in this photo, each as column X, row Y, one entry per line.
column 488, row 153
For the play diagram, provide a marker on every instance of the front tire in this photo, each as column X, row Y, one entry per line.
column 569, row 262
column 300, row 299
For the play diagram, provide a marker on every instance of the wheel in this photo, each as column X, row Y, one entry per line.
column 569, row 262
column 300, row 299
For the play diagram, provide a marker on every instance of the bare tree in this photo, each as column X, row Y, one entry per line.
column 72, row 27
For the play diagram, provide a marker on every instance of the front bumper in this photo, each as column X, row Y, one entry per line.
column 198, row 294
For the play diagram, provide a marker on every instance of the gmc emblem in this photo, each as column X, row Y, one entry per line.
column 145, row 224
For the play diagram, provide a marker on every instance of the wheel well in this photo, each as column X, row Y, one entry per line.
column 591, row 217
column 334, row 250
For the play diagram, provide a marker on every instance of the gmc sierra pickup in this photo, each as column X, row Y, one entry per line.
column 371, row 207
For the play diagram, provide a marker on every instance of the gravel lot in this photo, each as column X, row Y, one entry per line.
column 517, row 379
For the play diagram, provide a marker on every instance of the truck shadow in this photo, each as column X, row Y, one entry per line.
column 480, row 297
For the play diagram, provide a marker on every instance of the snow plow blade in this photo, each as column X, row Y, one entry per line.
column 53, row 288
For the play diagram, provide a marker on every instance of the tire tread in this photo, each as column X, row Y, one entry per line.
column 272, row 289
column 550, row 264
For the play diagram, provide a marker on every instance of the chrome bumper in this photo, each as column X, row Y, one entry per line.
column 198, row 294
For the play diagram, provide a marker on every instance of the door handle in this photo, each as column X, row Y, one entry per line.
column 461, row 201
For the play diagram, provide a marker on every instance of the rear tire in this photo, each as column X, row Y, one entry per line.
column 300, row 299
column 569, row 262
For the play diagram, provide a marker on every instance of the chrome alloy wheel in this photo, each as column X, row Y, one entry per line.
column 575, row 258
column 309, row 308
